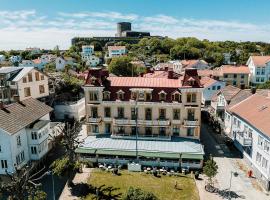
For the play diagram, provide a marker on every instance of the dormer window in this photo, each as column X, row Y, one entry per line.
column 191, row 81
column 176, row 96
column 106, row 95
column 134, row 95
column 120, row 95
column 162, row 96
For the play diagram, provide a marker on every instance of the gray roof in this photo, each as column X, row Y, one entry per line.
column 179, row 145
column 6, row 70
column 17, row 116
column 39, row 124
column 23, row 72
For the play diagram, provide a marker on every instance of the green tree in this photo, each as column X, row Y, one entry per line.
column 265, row 85
column 121, row 66
column 20, row 185
column 50, row 67
column 210, row 169
column 68, row 164
column 138, row 194
column 38, row 195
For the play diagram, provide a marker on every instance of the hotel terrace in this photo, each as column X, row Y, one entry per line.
column 165, row 109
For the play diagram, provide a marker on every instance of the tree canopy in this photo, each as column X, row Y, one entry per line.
column 122, row 66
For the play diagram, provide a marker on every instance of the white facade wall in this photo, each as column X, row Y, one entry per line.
column 209, row 91
column 258, row 75
column 258, row 147
column 92, row 60
column 34, row 86
column 117, row 52
column 74, row 110
column 27, row 63
column 10, row 148
column 41, row 143
column 2, row 58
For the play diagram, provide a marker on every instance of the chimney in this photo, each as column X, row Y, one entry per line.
column 1, row 105
column 253, row 90
column 170, row 74
column 16, row 98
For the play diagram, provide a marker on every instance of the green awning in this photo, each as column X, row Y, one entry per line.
column 159, row 155
column 85, row 150
column 192, row 156
column 115, row 152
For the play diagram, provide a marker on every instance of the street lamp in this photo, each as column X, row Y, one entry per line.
column 235, row 174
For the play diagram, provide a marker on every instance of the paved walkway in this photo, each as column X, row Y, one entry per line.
column 228, row 161
column 79, row 178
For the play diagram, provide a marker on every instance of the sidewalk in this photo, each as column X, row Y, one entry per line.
column 204, row 195
column 79, row 178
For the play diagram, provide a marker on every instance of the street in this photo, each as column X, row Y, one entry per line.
column 229, row 160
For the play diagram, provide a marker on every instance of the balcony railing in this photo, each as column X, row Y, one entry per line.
column 191, row 122
column 94, row 120
column 142, row 122
column 244, row 141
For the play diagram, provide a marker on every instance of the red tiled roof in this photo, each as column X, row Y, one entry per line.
column 207, row 81
column 144, row 82
column 260, row 61
column 231, row 69
column 36, row 61
column 257, row 114
column 205, row 72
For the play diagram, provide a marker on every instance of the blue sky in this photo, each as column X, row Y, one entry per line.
column 46, row 23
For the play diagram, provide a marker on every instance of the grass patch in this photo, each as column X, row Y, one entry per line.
column 162, row 187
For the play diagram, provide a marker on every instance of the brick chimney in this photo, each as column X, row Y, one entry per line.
column 170, row 74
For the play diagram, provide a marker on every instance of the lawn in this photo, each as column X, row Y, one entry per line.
column 162, row 187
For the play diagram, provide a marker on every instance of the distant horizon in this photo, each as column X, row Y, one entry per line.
column 47, row 24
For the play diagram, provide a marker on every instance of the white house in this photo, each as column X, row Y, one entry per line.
column 24, row 133
column 24, row 82
column 250, row 131
column 2, row 58
column 259, row 67
column 70, row 110
column 27, row 63
column 87, row 50
column 211, row 86
column 92, row 61
column 61, row 62
column 15, row 59
column 115, row 51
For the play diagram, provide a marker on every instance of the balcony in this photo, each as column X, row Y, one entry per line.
column 124, row 122
column 94, row 120
column 244, row 141
column 191, row 122
column 127, row 122
column 154, row 122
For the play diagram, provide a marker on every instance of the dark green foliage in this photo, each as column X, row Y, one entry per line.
column 210, row 169
column 138, row 194
column 265, row 85
column 121, row 66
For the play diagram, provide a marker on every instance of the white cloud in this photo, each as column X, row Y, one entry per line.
column 106, row 15
column 24, row 28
